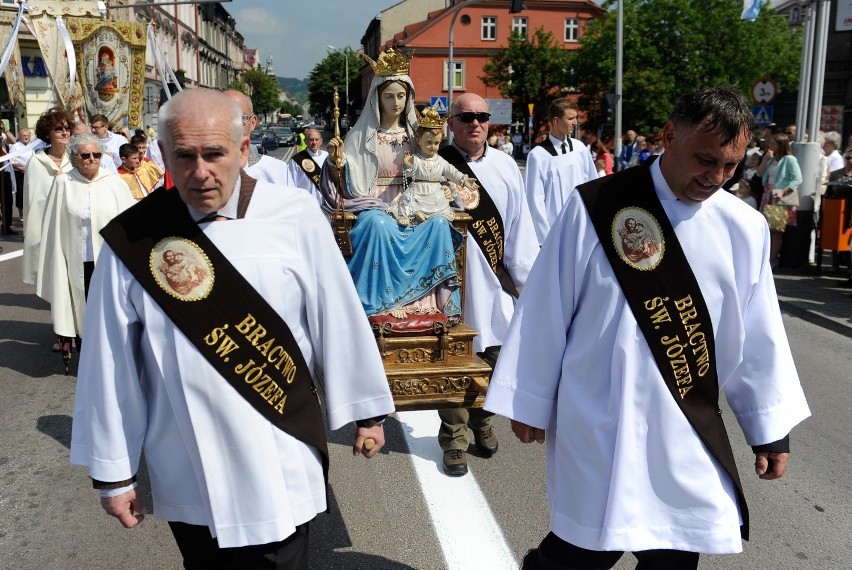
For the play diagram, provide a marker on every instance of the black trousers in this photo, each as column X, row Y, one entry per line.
column 201, row 551
column 555, row 554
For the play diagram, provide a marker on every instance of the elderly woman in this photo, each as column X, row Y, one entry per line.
column 82, row 202
column 54, row 128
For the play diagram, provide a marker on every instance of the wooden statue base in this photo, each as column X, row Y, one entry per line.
column 434, row 371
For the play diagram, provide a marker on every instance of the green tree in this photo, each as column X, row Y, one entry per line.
column 672, row 47
column 327, row 74
column 261, row 88
column 290, row 108
column 534, row 70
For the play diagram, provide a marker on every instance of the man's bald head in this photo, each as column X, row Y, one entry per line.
column 199, row 106
column 249, row 119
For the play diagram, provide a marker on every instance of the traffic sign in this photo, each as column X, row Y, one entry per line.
column 762, row 114
column 439, row 104
column 764, row 91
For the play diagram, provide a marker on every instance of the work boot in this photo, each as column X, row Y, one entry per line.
column 485, row 441
column 455, row 462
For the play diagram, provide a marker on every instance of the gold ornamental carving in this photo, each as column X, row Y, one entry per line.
column 437, row 385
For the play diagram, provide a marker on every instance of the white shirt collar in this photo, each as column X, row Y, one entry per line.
column 229, row 210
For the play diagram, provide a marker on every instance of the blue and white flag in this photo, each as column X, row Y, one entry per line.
column 751, row 8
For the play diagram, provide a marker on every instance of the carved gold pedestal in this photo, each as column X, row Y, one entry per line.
column 434, row 371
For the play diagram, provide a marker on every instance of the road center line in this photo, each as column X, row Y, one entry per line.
column 465, row 526
column 11, row 255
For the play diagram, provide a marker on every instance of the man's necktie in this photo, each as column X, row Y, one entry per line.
column 563, row 148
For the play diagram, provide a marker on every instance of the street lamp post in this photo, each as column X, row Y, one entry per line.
column 346, row 56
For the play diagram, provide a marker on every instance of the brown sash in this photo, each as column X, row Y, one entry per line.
column 664, row 296
column 487, row 227
column 309, row 166
column 219, row 312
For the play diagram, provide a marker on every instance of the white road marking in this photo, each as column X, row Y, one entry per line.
column 11, row 255
column 464, row 524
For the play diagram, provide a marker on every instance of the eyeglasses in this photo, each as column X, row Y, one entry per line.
column 88, row 155
column 62, row 129
column 469, row 116
column 247, row 118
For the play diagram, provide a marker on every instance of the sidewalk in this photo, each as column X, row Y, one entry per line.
column 819, row 299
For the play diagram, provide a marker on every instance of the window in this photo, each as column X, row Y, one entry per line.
column 519, row 26
column 572, row 29
column 458, row 75
column 489, row 27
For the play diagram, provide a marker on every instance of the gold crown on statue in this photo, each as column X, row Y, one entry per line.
column 430, row 119
column 390, row 62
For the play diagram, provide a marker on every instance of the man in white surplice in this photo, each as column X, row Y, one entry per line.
column 259, row 166
column 313, row 153
column 557, row 166
column 625, row 469
column 218, row 469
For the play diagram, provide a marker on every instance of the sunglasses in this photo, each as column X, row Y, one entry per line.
column 61, row 130
column 88, row 155
column 247, row 118
column 469, row 116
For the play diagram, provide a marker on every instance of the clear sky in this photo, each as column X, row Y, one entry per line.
column 296, row 33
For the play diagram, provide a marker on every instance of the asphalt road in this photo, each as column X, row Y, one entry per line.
column 396, row 511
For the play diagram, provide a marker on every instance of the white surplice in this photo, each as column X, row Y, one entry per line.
column 625, row 469
column 270, row 170
column 487, row 307
column 301, row 180
column 551, row 179
column 39, row 177
column 76, row 205
column 214, row 460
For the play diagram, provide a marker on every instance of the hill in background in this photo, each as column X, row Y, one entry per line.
column 297, row 88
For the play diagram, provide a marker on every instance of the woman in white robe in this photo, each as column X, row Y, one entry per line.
column 82, row 202
column 53, row 127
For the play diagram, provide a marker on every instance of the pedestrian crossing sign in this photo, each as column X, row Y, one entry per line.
column 762, row 115
column 439, row 104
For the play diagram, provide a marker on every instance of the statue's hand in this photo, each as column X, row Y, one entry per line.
column 335, row 150
column 408, row 159
column 448, row 192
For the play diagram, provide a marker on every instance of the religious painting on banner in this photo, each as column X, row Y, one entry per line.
column 111, row 61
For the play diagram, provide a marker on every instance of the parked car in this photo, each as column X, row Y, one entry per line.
column 264, row 141
column 285, row 136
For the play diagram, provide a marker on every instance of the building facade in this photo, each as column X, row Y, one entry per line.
column 480, row 29
column 201, row 44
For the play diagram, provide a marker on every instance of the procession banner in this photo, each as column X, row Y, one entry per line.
column 11, row 57
column 43, row 15
column 111, row 67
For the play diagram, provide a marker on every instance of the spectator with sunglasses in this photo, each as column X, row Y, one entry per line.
column 82, row 202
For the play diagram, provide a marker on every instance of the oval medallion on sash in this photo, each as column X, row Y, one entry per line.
column 182, row 269
column 638, row 238
column 308, row 165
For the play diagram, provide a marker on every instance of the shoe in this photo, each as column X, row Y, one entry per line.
column 455, row 463
column 11, row 232
column 485, row 441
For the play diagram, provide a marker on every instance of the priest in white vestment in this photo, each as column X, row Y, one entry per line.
column 218, row 467
column 626, row 471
